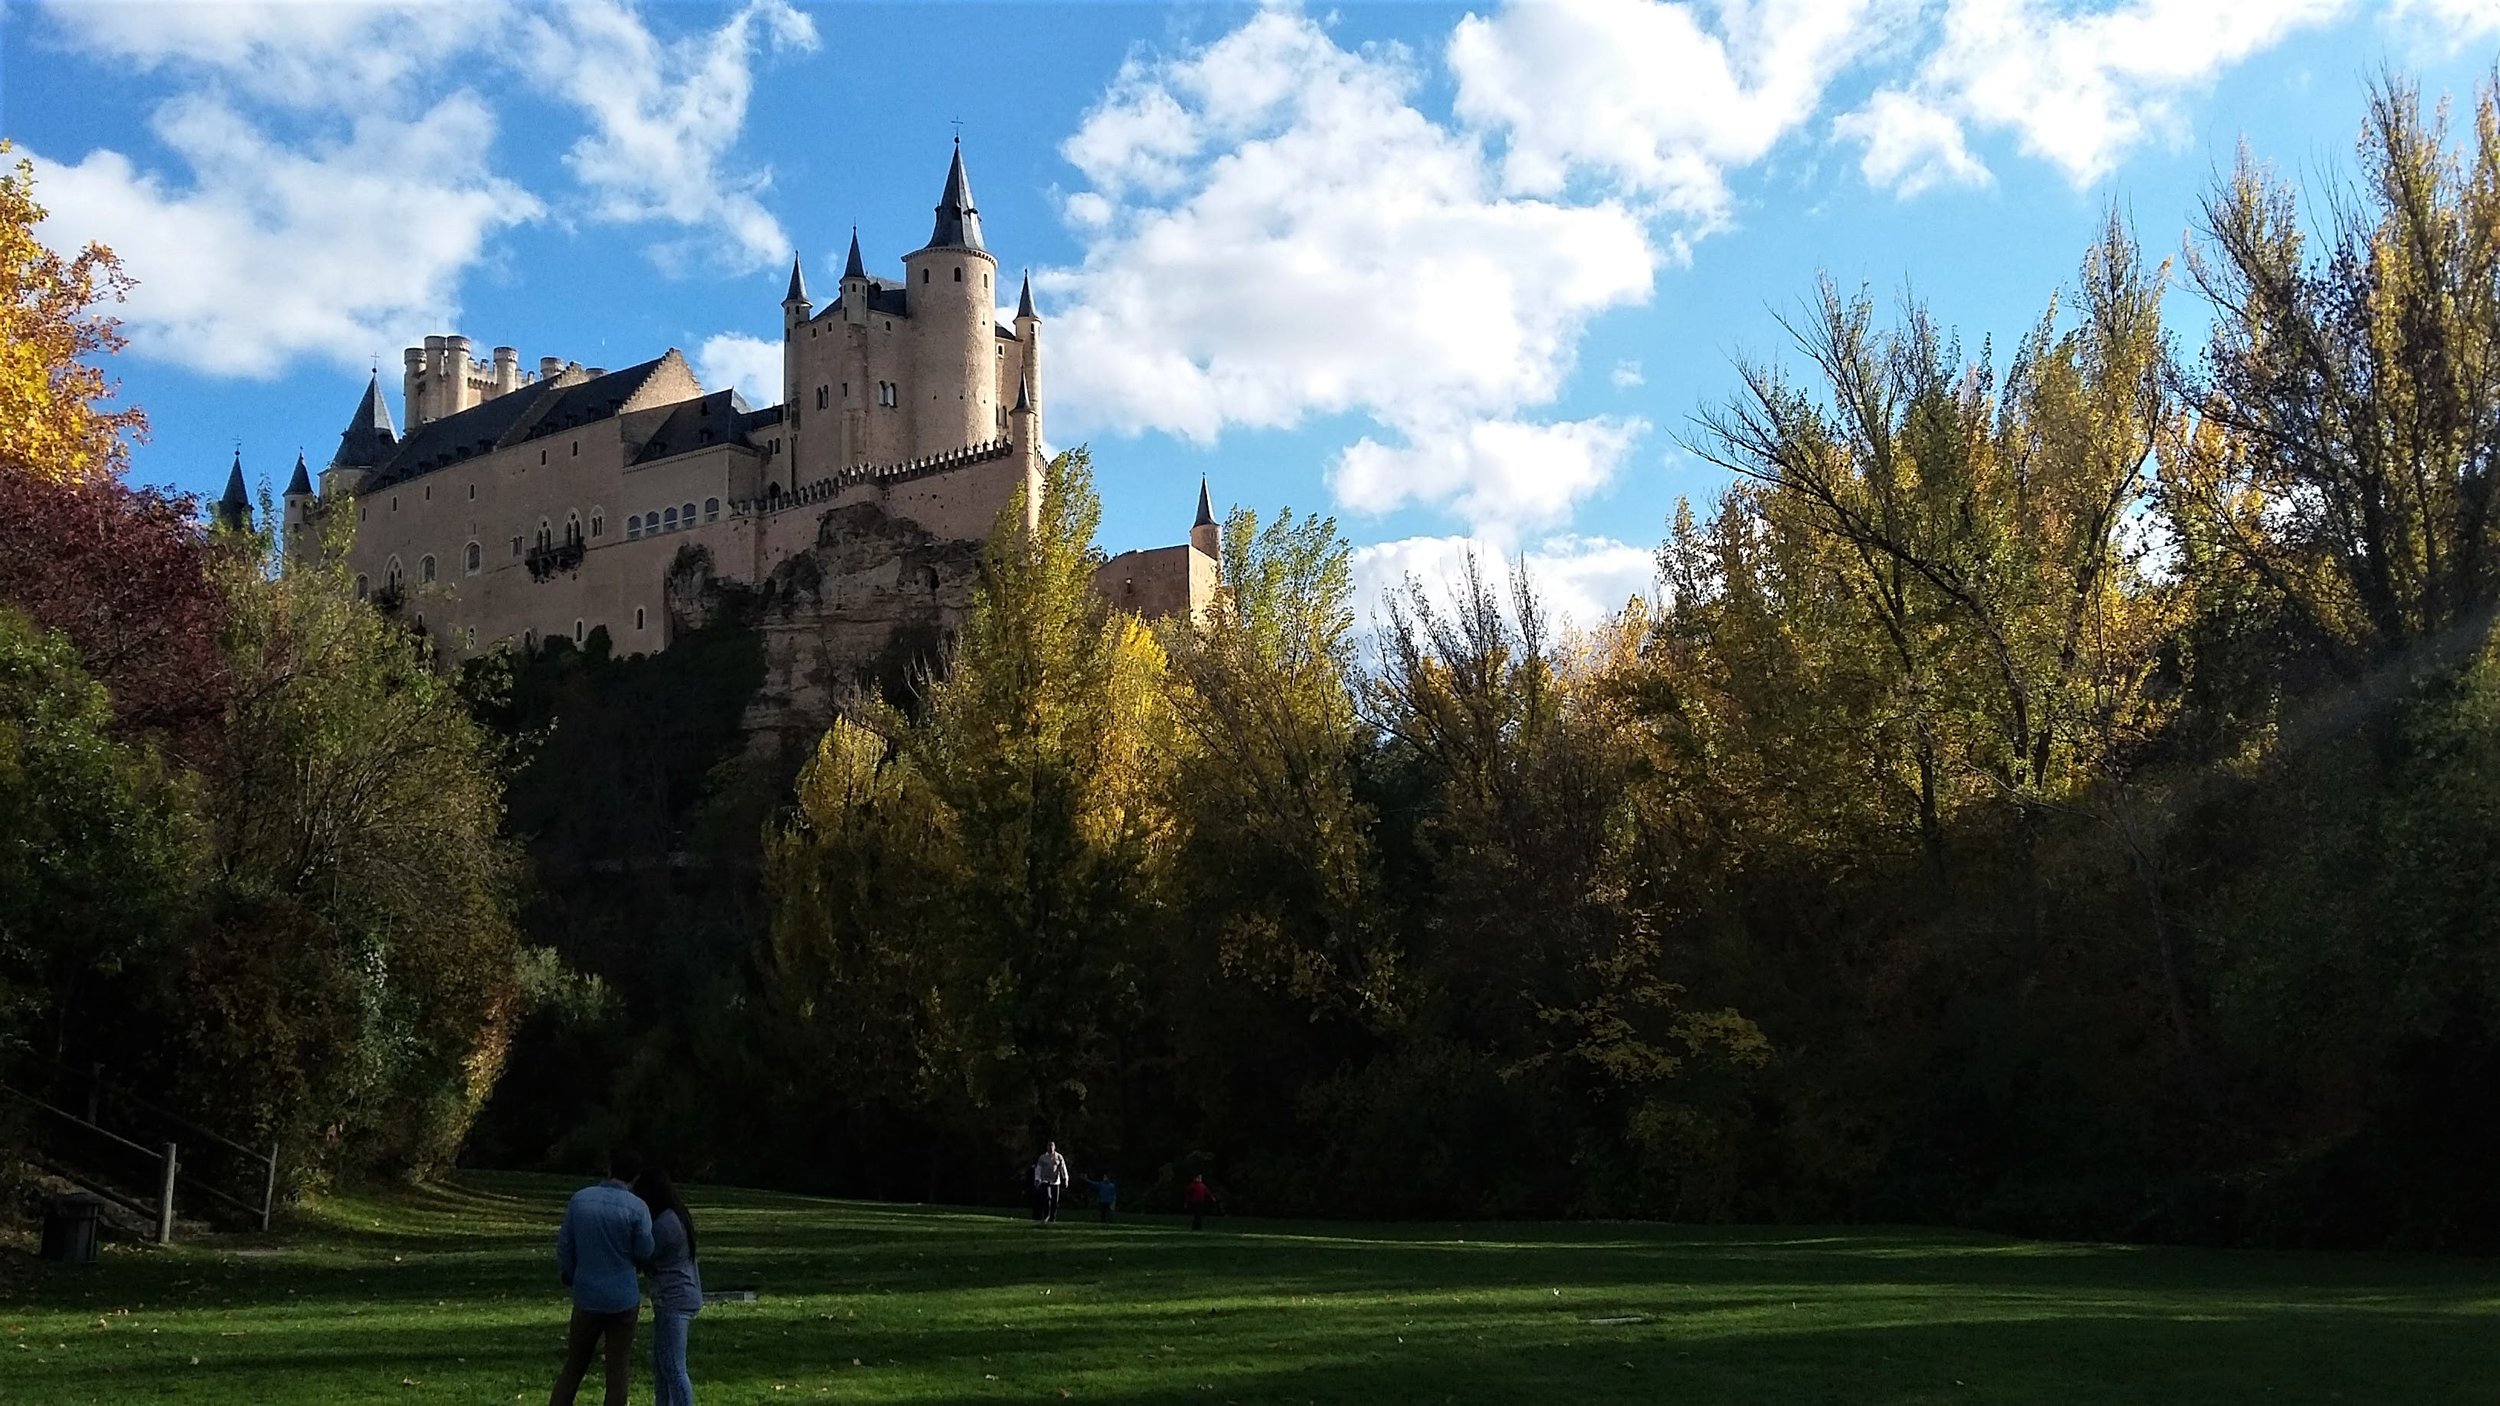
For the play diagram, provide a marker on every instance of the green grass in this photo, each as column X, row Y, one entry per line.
column 449, row 1294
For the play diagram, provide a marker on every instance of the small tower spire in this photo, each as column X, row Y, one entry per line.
column 1203, row 534
column 299, row 486
column 368, row 438
column 1024, row 299
column 853, row 268
column 1024, row 397
column 798, row 284
column 958, row 221
column 234, row 510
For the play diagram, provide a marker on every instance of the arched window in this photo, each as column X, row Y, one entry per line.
column 572, row 527
column 577, row 632
column 360, row 588
column 929, row 579
column 668, row 520
column 711, row 510
column 959, row 273
column 473, row 557
column 546, row 533
column 425, row 569
column 633, row 527
column 637, row 617
column 598, row 523
column 529, row 640
column 686, row 515
column 392, row 575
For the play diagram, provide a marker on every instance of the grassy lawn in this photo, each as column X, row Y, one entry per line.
column 449, row 1294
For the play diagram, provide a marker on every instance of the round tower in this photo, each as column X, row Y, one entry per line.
column 1203, row 533
column 1029, row 348
column 795, row 309
column 950, row 290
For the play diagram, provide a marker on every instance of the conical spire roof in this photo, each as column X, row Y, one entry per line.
column 235, row 508
column 1024, row 395
column 853, row 268
column 1206, row 505
column 300, row 485
column 958, row 222
column 369, row 437
column 1024, row 300
column 798, row 284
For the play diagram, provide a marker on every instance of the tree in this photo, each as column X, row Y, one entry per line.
column 53, row 419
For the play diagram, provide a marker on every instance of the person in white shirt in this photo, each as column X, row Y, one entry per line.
column 1050, row 1178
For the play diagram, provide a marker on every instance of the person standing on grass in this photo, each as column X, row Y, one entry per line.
column 1199, row 1198
column 676, row 1288
column 606, row 1235
column 1106, row 1195
column 1050, row 1177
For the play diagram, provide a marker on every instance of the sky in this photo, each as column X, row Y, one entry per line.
column 1460, row 277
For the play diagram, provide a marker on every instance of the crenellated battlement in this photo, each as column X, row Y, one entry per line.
column 825, row 490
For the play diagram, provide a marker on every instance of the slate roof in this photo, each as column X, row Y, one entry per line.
column 1024, row 300
column 302, row 482
column 531, row 412
column 958, row 222
column 883, row 296
column 1206, row 506
column 798, row 284
column 854, row 268
column 693, row 424
column 235, row 508
column 369, row 437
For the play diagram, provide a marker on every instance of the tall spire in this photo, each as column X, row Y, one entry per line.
column 958, row 222
column 299, row 486
column 798, row 284
column 368, row 438
column 1024, row 395
column 1024, row 300
column 1206, row 505
column 234, row 510
column 854, row 268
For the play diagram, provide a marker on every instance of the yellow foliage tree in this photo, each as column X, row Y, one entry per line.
column 53, row 420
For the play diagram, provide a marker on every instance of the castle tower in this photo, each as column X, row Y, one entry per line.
column 1029, row 340
column 949, row 282
column 365, row 443
column 297, row 527
column 1203, row 534
column 794, row 314
column 234, row 508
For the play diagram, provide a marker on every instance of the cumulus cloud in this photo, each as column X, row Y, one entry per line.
column 2078, row 90
column 2452, row 23
column 342, row 249
column 750, row 364
column 362, row 55
column 1654, row 98
column 1273, row 231
column 664, row 117
column 1581, row 581
column 1626, row 375
column 1503, row 475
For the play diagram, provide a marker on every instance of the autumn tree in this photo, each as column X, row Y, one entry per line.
column 54, row 416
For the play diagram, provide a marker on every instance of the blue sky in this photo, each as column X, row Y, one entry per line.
column 1457, row 276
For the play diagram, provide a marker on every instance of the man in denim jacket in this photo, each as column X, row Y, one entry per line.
column 605, row 1239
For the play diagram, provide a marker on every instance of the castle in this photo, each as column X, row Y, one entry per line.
column 521, row 507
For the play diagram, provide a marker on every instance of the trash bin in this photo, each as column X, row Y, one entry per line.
column 69, row 1228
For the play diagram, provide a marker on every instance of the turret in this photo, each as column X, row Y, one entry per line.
column 1029, row 343
column 950, row 291
column 1203, row 534
column 856, row 289
column 507, row 370
column 298, row 521
column 363, row 445
column 795, row 309
column 234, row 509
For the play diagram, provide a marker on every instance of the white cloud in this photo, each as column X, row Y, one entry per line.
column 1503, row 475
column 343, row 249
column 1626, row 375
column 1910, row 146
column 663, row 119
column 1646, row 95
column 751, row 364
column 1274, row 232
column 362, row 54
column 1581, row 581
column 2454, row 22
column 2078, row 90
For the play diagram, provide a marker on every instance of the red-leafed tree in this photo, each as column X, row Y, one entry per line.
column 124, row 572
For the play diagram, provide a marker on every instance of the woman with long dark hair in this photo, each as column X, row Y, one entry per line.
column 676, row 1287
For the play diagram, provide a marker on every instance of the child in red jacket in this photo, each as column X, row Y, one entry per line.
column 1199, row 1199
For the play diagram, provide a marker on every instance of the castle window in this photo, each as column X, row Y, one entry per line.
column 474, row 557
column 542, row 456
column 572, row 527
column 959, row 273
column 468, row 637
column 686, row 515
column 391, row 575
column 711, row 510
column 924, row 275
column 429, row 493
column 529, row 640
column 516, row 544
column 668, row 520
column 637, row 617
column 425, row 569
column 394, row 502
column 546, row 533
column 577, row 632
column 577, row 449
column 598, row 522
column 360, row 588
column 929, row 579
column 846, row 390
column 633, row 527
column 822, row 396
column 985, row 281
column 472, row 492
